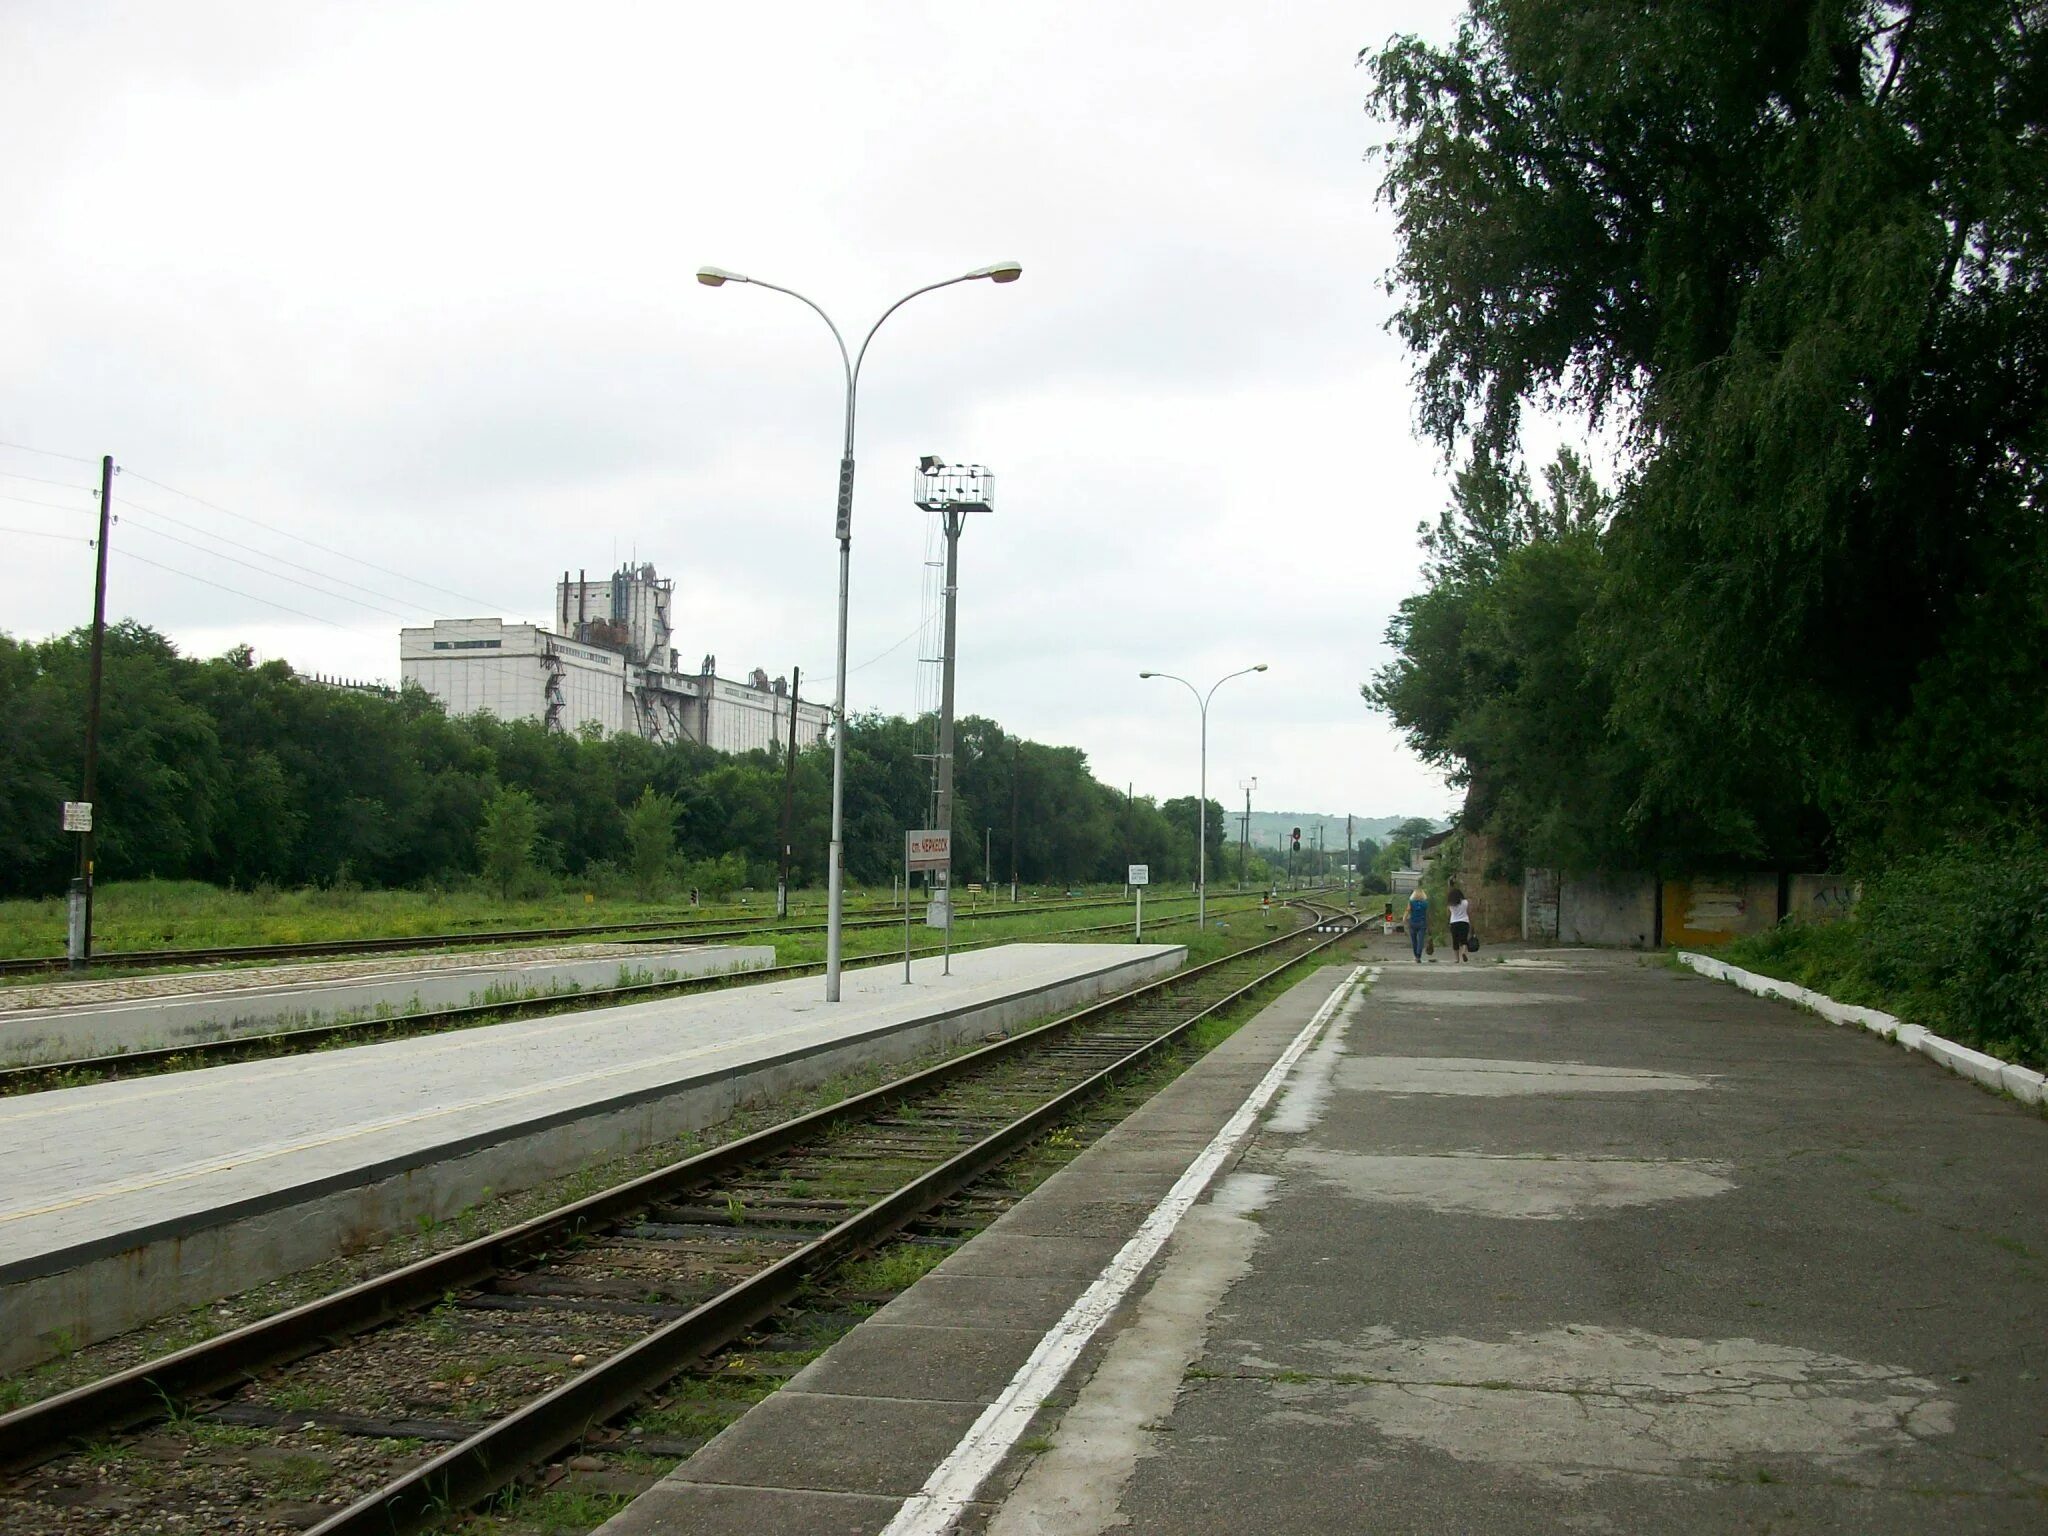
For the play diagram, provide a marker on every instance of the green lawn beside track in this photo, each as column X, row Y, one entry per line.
column 175, row 914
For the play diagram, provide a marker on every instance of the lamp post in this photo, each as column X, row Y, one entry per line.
column 715, row 277
column 1202, row 801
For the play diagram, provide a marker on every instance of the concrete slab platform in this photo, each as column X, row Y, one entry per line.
column 1682, row 1261
column 834, row 1443
column 128, row 1200
column 709, row 1509
column 66, row 1031
column 921, row 1361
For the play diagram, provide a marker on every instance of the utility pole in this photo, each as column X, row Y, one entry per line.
column 796, row 679
column 952, row 491
column 1350, row 857
column 1244, row 827
column 80, row 946
column 1016, row 744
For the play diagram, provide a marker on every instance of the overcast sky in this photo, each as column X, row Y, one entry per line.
column 413, row 283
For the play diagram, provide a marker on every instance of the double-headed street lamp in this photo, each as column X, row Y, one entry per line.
column 715, row 277
column 1202, row 802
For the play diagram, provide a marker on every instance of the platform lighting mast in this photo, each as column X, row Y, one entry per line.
column 1244, row 826
column 953, row 491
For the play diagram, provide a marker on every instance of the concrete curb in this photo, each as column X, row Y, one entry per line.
column 2023, row 1083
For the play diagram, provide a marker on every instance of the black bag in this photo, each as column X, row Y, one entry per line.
column 1472, row 941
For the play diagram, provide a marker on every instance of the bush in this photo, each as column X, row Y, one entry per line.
column 1955, row 940
column 1958, row 938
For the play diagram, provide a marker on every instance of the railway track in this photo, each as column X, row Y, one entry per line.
column 649, row 931
column 402, row 1401
column 40, row 1076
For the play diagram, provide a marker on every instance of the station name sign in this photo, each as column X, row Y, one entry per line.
column 931, row 848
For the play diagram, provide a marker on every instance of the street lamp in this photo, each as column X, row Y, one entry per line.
column 1202, row 802
column 718, row 277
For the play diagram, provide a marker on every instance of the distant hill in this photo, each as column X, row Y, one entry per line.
column 1269, row 829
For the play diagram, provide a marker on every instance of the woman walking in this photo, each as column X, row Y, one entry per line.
column 1418, row 921
column 1461, row 924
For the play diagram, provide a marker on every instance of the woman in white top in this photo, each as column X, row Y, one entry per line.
column 1461, row 924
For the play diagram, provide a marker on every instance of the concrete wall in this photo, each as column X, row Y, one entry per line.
column 1607, row 909
column 1619, row 910
column 1820, row 898
column 1698, row 909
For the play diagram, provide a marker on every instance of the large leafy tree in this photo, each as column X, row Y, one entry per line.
column 1792, row 253
column 227, row 771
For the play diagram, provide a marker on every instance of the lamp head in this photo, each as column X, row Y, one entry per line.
column 1001, row 272
column 716, row 277
column 1260, row 667
column 1148, row 674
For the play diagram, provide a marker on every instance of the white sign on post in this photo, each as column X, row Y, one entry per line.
column 929, row 849
column 1141, row 874
column 77, row 815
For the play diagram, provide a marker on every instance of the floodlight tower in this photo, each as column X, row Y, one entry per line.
column 1244, row 827
column 952, row 491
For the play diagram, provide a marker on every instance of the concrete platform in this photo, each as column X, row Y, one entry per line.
column 128, row 1200
column 1578, row 1244
column 63, row 1032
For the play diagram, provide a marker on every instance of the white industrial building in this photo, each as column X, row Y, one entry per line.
column 607, row 663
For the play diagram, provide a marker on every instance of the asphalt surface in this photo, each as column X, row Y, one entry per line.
column 1578, row 1242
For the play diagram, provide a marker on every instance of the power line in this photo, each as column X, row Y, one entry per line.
column 47, row 453
column 129, row 554
column 467, row 597
column 130, row 507
column 68, row 485
column 37, row 533
column 158, row 533
column 54, row 506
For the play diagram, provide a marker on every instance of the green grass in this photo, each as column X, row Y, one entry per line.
column 896, row 1268
column 1826, row 957
column 187, row 914
column 1842, row 960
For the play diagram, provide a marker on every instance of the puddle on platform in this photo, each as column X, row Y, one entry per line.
column 1522, row 1188
column 1474, row 1077
column 1576, row 1403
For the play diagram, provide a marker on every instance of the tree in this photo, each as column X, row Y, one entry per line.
column 650, row 840
column 505, row 840
column 1795, row 256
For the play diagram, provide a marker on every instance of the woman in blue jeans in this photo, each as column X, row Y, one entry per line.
column 1418, row 921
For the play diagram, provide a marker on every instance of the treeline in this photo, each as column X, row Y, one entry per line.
column 1795, row 261
column 238, row 774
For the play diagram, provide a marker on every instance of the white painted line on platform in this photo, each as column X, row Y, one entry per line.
column 935, row 1508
